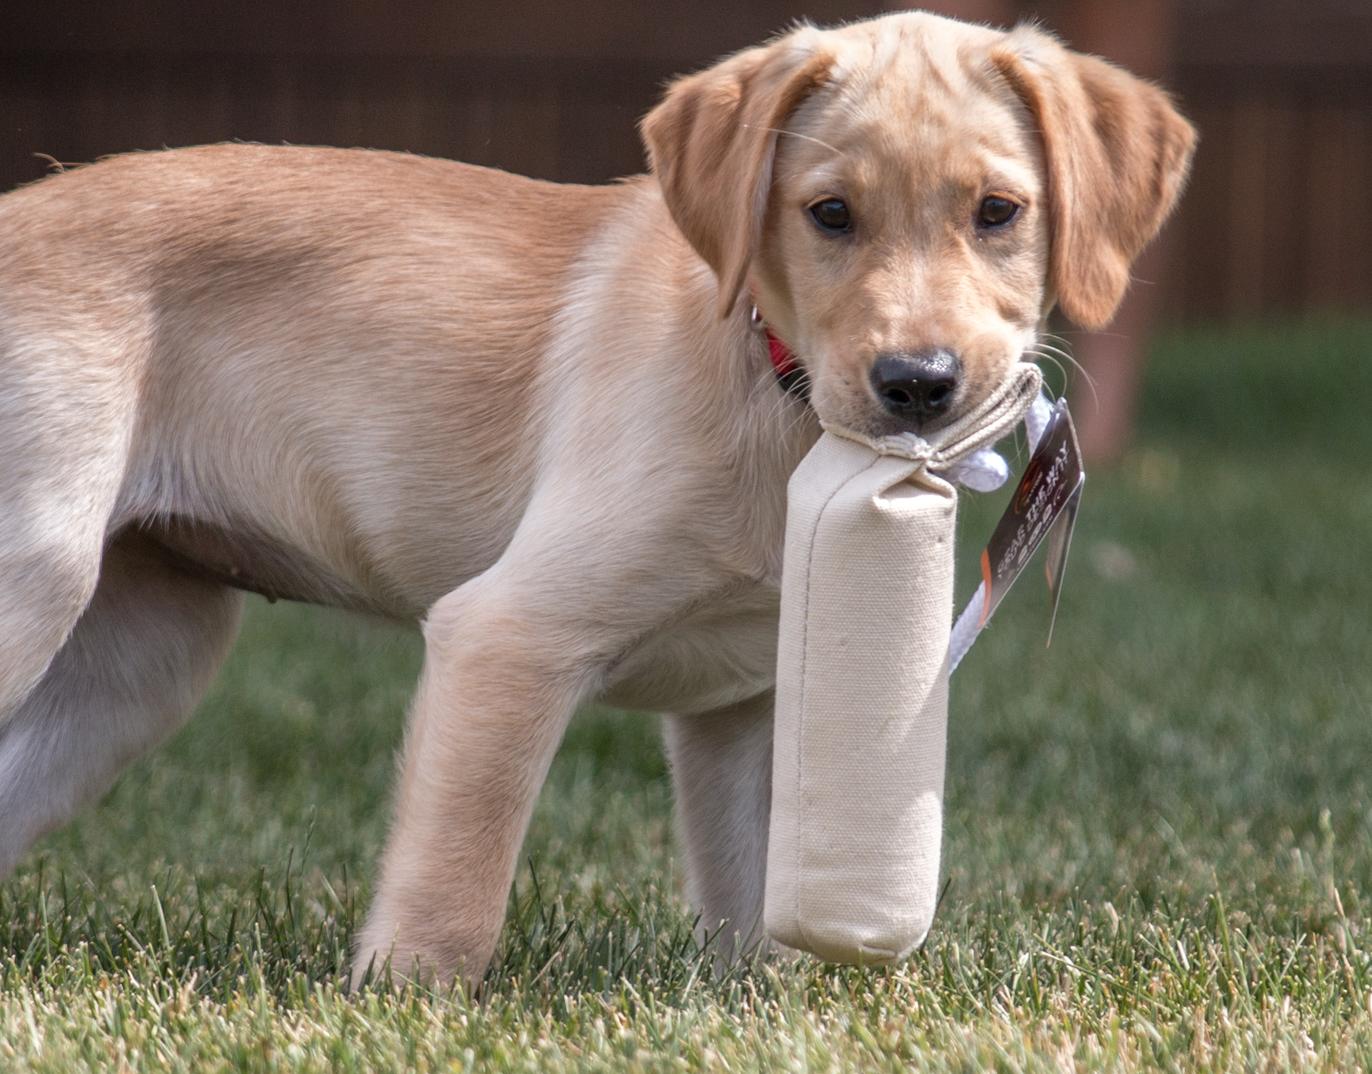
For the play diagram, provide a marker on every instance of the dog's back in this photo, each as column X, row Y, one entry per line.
column 242, row 302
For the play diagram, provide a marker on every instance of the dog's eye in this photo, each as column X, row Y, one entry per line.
column 996, row 211
column 831, row 214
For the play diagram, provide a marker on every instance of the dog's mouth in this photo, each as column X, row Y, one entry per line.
column 867, row 410
column 893, row 392
column 887, row 425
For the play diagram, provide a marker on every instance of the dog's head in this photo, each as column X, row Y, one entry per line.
column 905, row 199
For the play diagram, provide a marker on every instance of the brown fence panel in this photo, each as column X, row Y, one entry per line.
column 1277, row 218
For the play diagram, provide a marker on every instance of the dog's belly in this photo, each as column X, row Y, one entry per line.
column 250, row 561
column 715, row 657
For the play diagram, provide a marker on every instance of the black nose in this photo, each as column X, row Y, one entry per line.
column 918, row 385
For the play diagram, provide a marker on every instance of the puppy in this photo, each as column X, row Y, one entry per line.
column 539, row 419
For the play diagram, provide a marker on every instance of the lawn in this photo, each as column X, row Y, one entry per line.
column 1158, row 851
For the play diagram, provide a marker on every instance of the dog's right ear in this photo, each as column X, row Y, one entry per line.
column 711, row 143
column 1117, row 154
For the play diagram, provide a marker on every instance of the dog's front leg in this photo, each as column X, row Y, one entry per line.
column 722, row 775
column 502, row 678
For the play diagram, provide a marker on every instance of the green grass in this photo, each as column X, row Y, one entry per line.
column 1158, row 849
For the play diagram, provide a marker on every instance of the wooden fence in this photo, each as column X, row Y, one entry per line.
column 1278, row 218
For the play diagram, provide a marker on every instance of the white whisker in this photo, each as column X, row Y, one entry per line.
column 797, row 134
column 1049, row 353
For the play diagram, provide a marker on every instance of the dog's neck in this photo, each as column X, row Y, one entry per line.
column 744, row 428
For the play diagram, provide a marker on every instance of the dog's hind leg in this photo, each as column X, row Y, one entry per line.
column 49, row 562
column 130, row 673
column 722, row 775
column 65, row 417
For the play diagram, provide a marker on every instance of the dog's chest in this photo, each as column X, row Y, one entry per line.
column 717, row 656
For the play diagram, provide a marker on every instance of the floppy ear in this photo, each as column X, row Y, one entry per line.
column 711, row 143
column 1117, row 153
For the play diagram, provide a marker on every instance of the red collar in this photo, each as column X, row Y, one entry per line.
column 783, row 358
column 790, row 373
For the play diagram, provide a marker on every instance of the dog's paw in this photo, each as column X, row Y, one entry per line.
column 384, row 958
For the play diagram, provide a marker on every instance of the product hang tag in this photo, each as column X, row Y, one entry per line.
column 1059, row 544
column 1044, row 505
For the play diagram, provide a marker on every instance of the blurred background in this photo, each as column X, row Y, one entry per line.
column 1277, row 218
column 1164, row 821
column 1276, row 221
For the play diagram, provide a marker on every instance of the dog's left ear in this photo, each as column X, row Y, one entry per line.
column 711, row 143
column 1117, row 155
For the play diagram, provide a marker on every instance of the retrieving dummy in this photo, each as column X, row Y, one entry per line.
column 862, row 685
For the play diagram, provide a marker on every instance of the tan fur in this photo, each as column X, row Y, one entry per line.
column 535, row 417
column 1118, row 154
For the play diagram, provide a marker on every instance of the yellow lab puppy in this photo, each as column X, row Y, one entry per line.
column 540, row 419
